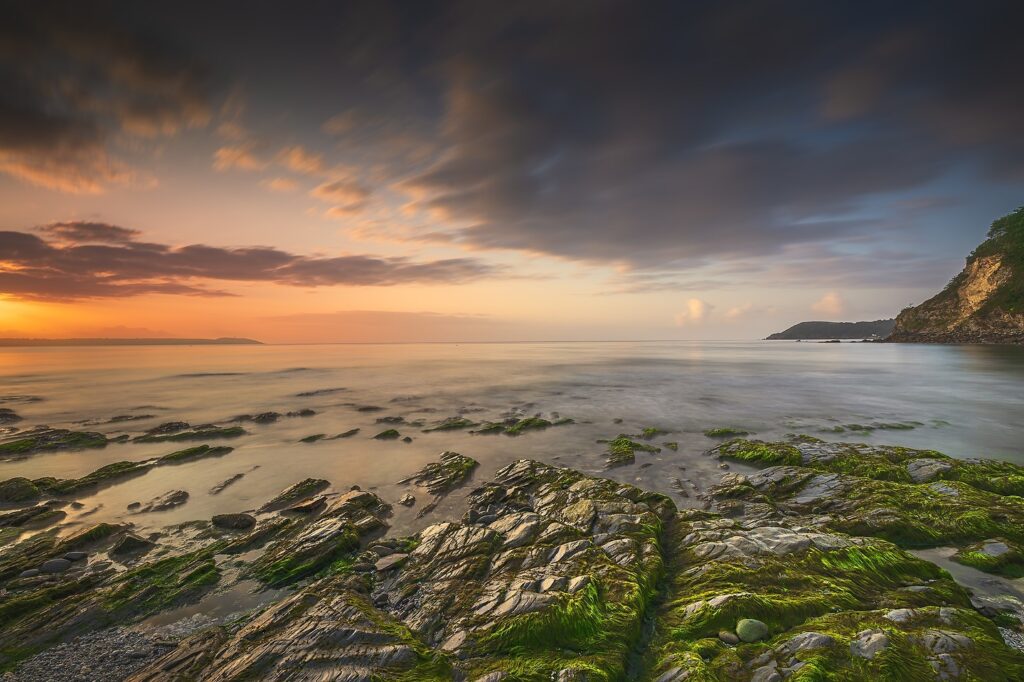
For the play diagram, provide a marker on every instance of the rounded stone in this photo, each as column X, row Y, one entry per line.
column 728, row 637
column 234, row 521
column 30, row 573
column 76, row 556
column 751, row 630
column 55, row 566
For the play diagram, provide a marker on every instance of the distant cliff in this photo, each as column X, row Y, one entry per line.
column 128, row 342
column 984, row 303
column 835, row 330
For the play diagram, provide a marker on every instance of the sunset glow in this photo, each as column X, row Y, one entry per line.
column 293, row 178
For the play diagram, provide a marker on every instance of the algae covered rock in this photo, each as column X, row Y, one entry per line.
column 180, row 431
column 567, row 563
column 300, row 491
column 18, row 490
column 550, row 575
column 234, row 521
column 47, row 440
column 326, row 543
column 751, row 630
column 440, row 477
column 622, row 451
column 870, row 491
column 327, row 630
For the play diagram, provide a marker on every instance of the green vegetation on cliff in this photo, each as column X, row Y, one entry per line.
column 982, row 304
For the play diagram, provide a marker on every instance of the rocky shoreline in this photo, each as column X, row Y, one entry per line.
column 800, row 571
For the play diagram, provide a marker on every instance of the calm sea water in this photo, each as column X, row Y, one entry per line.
column 967, row 401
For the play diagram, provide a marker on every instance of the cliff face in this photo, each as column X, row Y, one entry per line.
column 984, row 303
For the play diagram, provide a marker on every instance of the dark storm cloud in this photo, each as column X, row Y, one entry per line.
column 93, row 260
column 72, row 77
column 656, row 135
column 661, row 134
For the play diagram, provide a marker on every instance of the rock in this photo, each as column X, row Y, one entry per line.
column 29, row 573
column 311, row 545
column 76, row 556
column 234, row 521
column 18, row 490
column 407, row 500
column 165, row 502
column 806, row 641
column 309, row 506
column 869, row 643
column 926, row 469
column 900, row 615
column 767, row 673
column 751, row 630
column 445, row 475
column 55, row 566
column 547, row 563
column 323, row 632
column 391, row 561
column 293, row 495
column 133, row 505
column 994, row 548
column 131, row 544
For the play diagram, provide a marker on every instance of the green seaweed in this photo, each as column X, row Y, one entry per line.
column 452, row 424
column 725, row 432
column 53, row 439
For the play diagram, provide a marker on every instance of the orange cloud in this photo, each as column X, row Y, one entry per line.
column 281, row 184
column 830, row 304
column 348, row 196
column 695, row 313
column 299, row 160
column 240, row 156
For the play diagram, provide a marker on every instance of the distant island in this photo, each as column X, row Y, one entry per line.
column 129, row 342
column 984, row 303
column 835, row 330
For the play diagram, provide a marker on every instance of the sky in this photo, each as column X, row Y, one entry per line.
column 492, row 171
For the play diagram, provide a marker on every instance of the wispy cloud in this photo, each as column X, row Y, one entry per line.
column 281, row 184
column 95, row 260
column 241, row 156
column 300, row 160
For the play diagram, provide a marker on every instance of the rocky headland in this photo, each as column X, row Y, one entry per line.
column 805, row 570
column 982, row 304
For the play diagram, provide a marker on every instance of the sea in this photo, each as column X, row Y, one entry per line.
column 965, row 401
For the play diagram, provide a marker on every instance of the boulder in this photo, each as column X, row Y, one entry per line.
column 234, row 521
column 751, row 630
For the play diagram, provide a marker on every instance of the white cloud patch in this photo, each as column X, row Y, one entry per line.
column 830, row 304
column 738, row 311
column 696, row 312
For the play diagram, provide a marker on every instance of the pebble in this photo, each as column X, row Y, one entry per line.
column 111, row 654
column 55, row 566
column 76, row 556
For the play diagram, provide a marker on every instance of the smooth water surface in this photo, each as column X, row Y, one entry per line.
column 963, row 400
